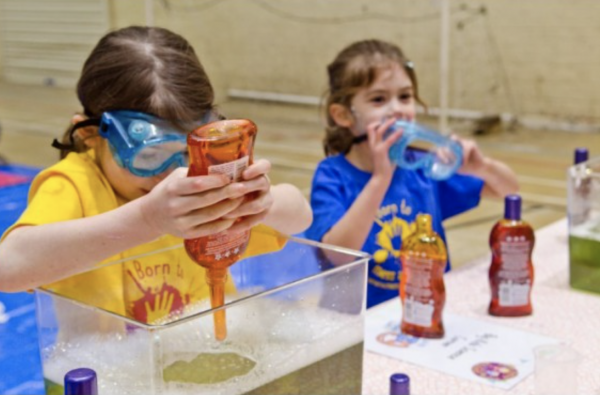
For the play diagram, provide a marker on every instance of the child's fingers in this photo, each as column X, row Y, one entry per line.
column 210, row 213
column 176, row 204
column 209, row 228
column 443, row 154
column 378, row 134
column 246, row 223
column 261, row 183
column 258, row 168
column 256, row 205
column 208, row 198
column 194, row 185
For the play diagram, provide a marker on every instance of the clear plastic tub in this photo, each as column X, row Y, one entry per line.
column 295, row 326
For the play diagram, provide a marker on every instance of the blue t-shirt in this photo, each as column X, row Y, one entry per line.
column 337, row 183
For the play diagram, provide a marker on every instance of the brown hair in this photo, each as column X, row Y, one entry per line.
column 147, row 69
column 356, row 67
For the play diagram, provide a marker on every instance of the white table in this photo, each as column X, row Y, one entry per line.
column 559, row 311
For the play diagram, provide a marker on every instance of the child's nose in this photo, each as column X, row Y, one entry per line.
column 398, row 109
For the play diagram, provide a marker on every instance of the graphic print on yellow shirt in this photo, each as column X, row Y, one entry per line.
column 157, row 285
column 161, row 284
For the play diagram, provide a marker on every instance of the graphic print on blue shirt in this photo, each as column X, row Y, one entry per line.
column 337, row 184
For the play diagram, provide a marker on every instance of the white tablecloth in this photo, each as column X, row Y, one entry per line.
column 558, row 311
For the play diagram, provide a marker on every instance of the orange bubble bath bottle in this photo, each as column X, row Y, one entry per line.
column 422, row 289
column 511, row 270
column 222, row 147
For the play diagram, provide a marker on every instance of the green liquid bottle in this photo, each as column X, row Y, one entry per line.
column 584, row 230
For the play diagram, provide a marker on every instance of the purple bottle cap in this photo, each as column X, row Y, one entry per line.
column 399, row 384
column 81, row 381
column 581, row 155
column 512, row 207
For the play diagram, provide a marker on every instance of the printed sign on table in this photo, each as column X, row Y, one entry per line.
column 475, row 350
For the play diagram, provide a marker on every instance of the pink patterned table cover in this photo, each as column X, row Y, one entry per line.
column 559, row 311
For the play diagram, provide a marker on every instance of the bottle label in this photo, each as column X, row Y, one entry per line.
column 223, row 245
column 515, row 253
column 514, row 282
column 418, row 303
column 417, row 313
column 511, row 294
column 232, row 169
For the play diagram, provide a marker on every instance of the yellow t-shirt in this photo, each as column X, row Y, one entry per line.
column 151, row 280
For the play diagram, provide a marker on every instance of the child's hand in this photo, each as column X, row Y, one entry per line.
column 258, row 199
column 192, row 207
column 473, row 158
column 380, row 147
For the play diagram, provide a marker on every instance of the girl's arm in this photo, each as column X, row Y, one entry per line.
column 499, row 179
column 31, row 256
column 290, row 212
column 187, row 207
column 282, row 206
column 352, row 230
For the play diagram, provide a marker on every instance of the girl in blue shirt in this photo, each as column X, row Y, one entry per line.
column 360, row 199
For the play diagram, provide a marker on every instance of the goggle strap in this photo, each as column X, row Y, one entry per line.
column 359, row 139
column 70, row 147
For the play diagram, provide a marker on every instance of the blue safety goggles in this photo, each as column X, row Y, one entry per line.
column 421, row 148
column 143, row 144
column 440, row 156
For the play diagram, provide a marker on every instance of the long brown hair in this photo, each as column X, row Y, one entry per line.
column 147, row 69
column 354, row 68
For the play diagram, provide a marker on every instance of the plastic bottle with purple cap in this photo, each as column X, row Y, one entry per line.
column 81, row 381
column 581, row 155
column 399, row 384
column 579, row 191
column 511, row 270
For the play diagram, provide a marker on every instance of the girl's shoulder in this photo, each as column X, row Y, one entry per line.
column 75, row 162
column 81, row 171
column 76, row 167
column 338, row 166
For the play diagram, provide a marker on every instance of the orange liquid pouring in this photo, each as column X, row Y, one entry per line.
column 223, row 147
column 422, row 289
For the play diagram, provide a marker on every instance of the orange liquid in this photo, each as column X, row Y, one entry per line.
column 223, row 147
column 511, row 270
column 422, row 289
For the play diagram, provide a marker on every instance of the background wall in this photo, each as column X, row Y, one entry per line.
column 536, row 60
column 46, row 42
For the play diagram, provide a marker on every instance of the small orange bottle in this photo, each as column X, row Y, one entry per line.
column 222, row 147
column 422, row 289
column 511, row 270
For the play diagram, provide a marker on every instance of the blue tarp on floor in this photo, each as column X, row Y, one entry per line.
column 20, row 366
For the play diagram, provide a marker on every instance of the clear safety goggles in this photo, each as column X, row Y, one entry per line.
column 438, row 156
column 143, row 144
column 419, row 147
